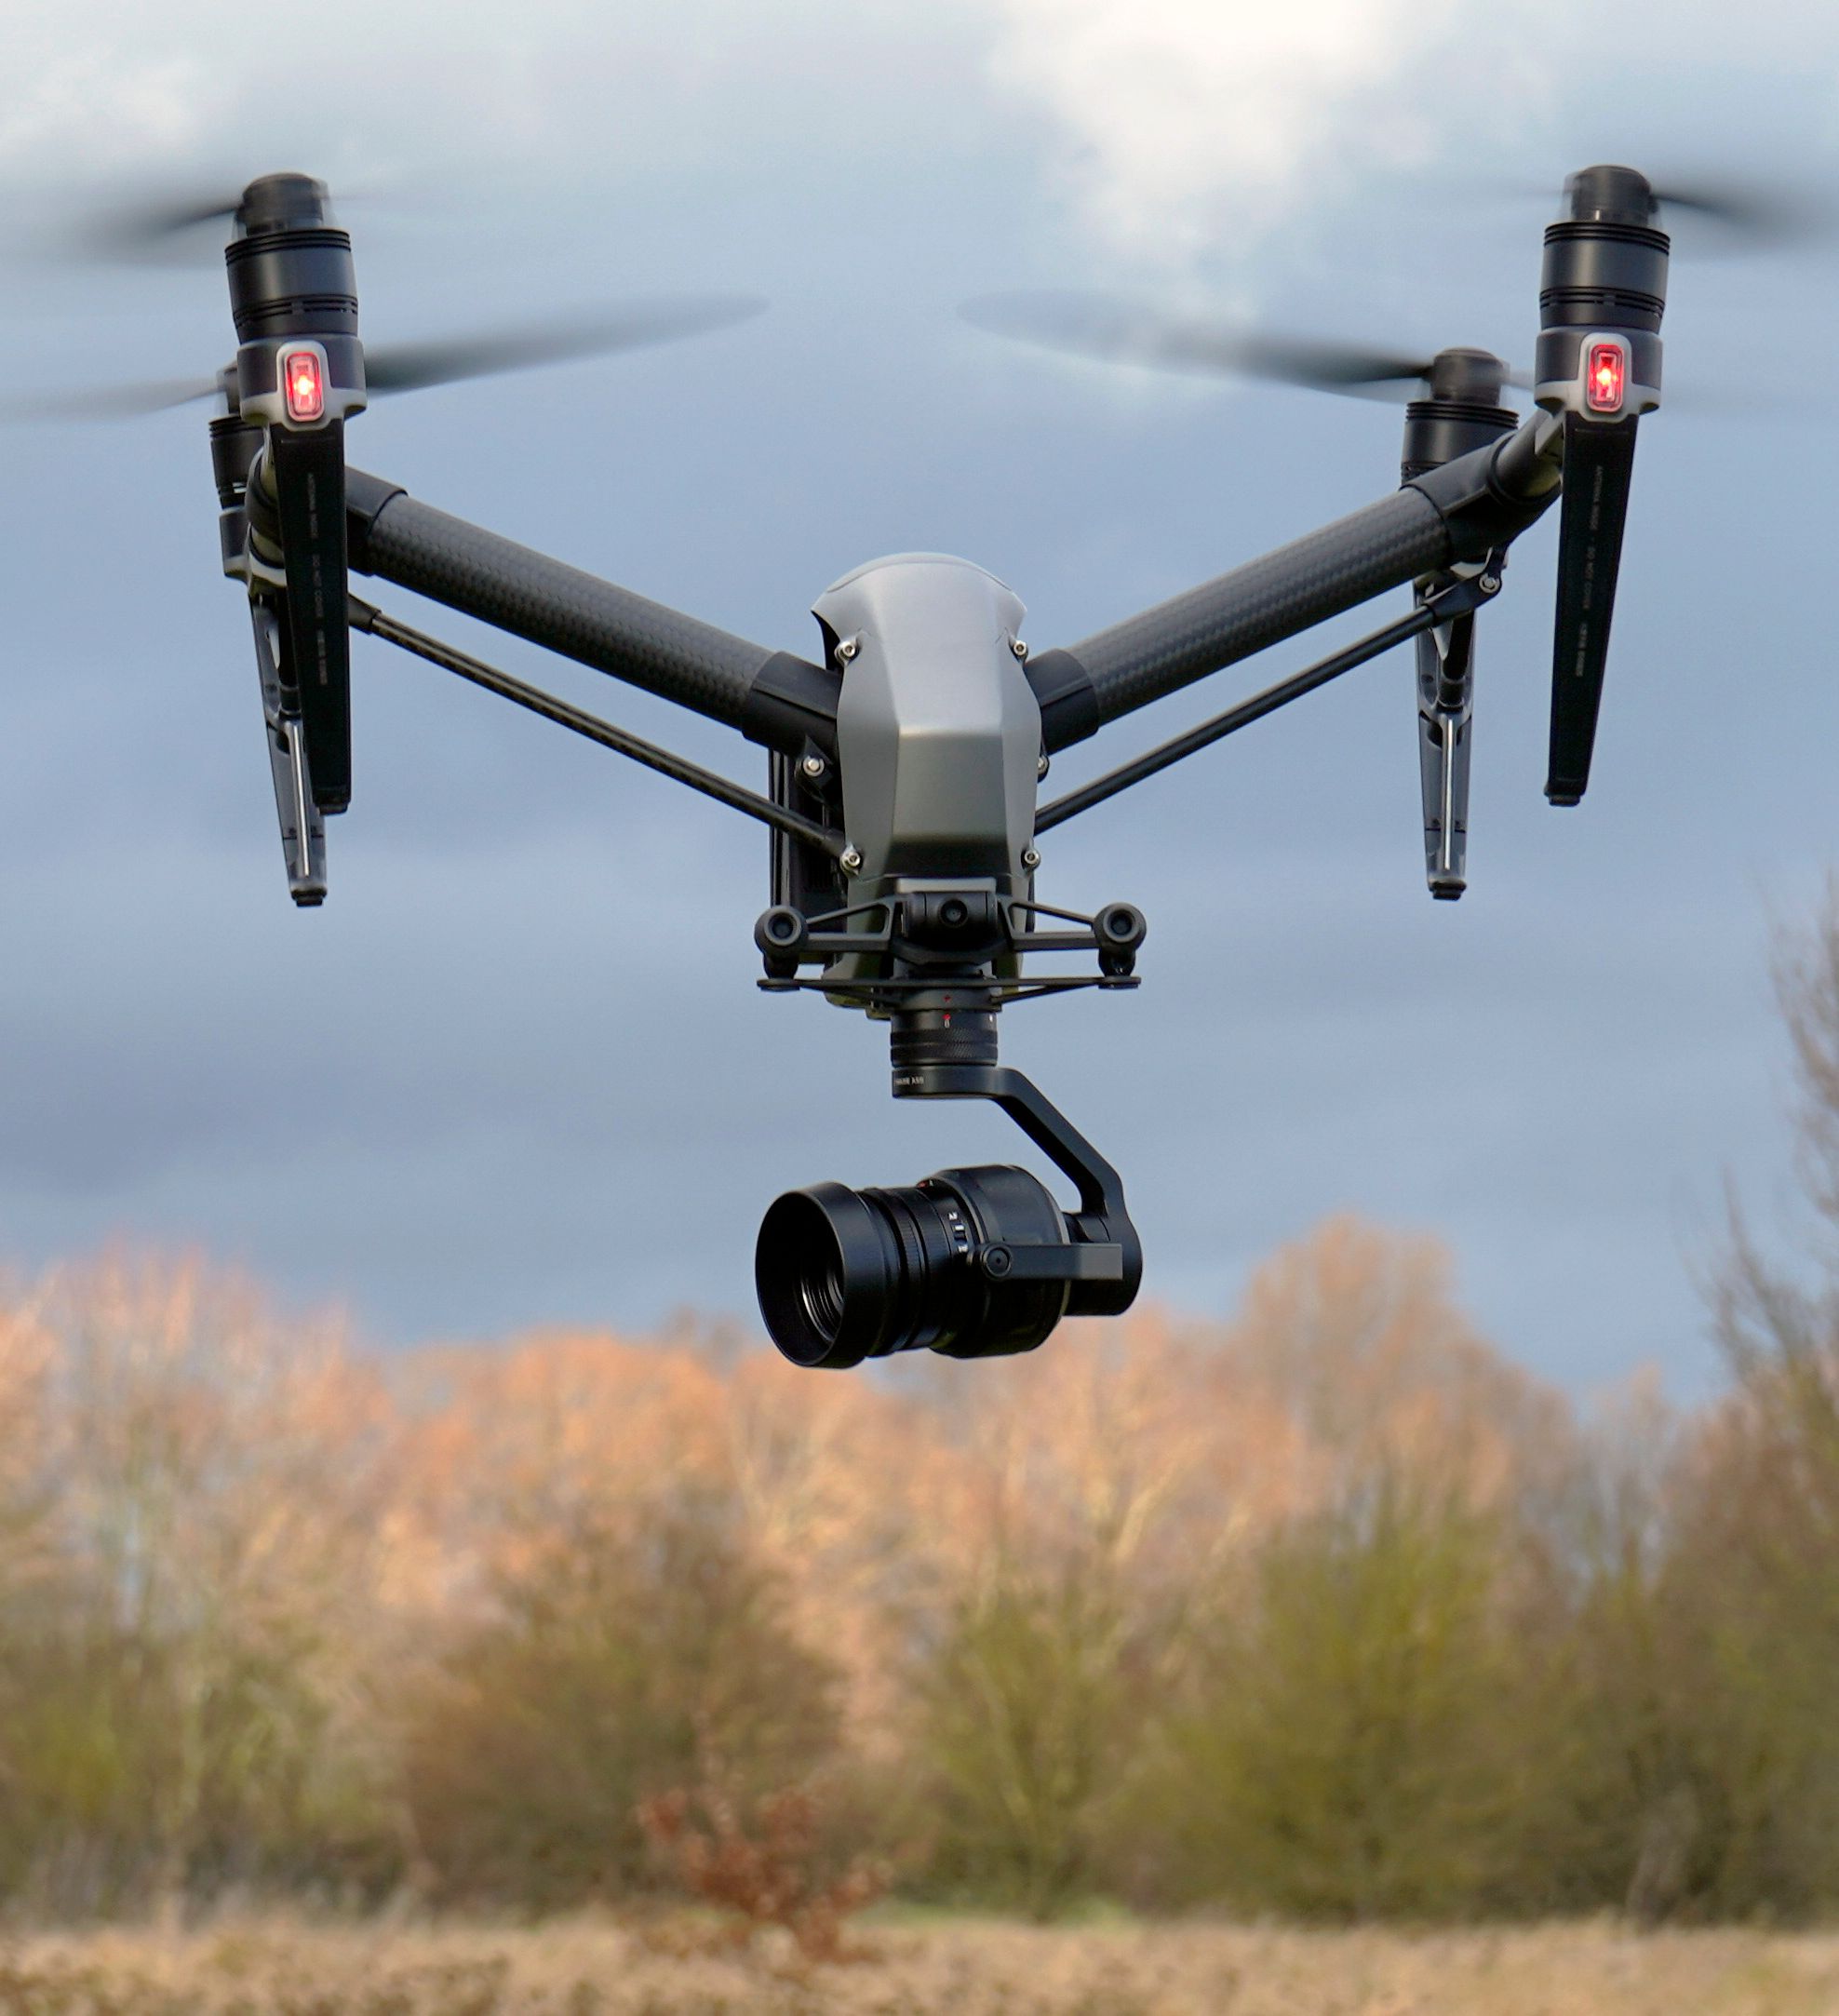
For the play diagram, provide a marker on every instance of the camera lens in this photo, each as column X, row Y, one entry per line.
column 845, row 1275
column 822, row 1294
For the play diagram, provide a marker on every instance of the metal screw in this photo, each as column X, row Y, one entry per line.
column 813, row 766
column 848, row 648
column 851, row 861
column 1489, row 584
column 1016, row 645
column 1041, row 767
column 1030, row 859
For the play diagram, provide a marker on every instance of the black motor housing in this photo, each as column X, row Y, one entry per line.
column 1604, row 285
column 292, row 284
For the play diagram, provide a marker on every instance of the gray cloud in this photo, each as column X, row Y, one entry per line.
column 517, row 1068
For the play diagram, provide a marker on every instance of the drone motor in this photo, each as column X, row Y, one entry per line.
column 1601, row 296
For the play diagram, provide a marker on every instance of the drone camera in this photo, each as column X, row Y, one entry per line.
column 952, row 1264
column 969, row 1263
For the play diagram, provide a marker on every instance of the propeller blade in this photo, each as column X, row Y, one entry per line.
column 1713, row 214
column 112, row 402
column 1097, row 325
column 411, row 367
column 393, row 367
column 143, row 229
column 1747, row 216
column 170, row 227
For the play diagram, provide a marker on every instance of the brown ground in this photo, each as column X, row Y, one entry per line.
column 964, row 1968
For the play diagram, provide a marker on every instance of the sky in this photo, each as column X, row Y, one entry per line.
column 516, row 1071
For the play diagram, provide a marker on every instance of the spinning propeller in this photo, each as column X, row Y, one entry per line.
column 393, row 367
column 277, row 451
column 1715, row 213
column 175, row 225
column 1597, row 370
column 1119, row 332
column 1453, row 405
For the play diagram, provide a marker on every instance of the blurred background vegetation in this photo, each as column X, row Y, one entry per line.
column 1325, row 1611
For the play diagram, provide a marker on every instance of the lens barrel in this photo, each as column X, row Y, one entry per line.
column 843, row 1275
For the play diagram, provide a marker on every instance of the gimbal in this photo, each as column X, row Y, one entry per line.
column 905, row 762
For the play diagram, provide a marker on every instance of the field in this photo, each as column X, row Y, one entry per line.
column 965, row 1967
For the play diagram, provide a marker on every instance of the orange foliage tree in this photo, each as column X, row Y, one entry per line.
column 1324, row 1608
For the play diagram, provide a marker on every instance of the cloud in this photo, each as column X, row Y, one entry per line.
column 1192, row 114
column 1192, row 125
column 553, row 91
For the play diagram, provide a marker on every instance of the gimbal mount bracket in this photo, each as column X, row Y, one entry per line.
column 952, row 935
column 1104, row 1257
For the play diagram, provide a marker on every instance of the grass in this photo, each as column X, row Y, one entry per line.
column 588, row 1968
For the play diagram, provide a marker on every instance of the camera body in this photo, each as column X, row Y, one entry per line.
column 845, row 1275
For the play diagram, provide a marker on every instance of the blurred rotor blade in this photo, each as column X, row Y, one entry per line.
column 1746, row 216
column 1097, row 325
column 1709, row 212
column 170, row 227
column 140, row 229
column 112, row 402
column 390, row 368
column 409, row 366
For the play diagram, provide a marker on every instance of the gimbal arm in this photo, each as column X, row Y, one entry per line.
column 1458, row 512
column 773, row 697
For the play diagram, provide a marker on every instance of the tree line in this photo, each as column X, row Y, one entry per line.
column 1326, row 1610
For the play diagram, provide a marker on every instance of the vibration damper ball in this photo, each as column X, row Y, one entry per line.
column 1119, row 929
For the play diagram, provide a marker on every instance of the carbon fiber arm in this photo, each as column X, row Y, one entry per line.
column 773, row 697
column 1458, row 512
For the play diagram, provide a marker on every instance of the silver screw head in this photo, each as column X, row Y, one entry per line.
column 1016, row 645
column 1043, row 767
column 1030, row 858
column 813, row 766
column 1489, row 584
column 851, row 860
column 848, row 648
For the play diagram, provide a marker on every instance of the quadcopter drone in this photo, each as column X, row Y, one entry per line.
column 904, row 761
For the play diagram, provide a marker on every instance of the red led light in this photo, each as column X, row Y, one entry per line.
column 304, row 384
column 1604, row 381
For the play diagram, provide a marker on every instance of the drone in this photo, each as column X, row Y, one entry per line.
column 905, row 760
